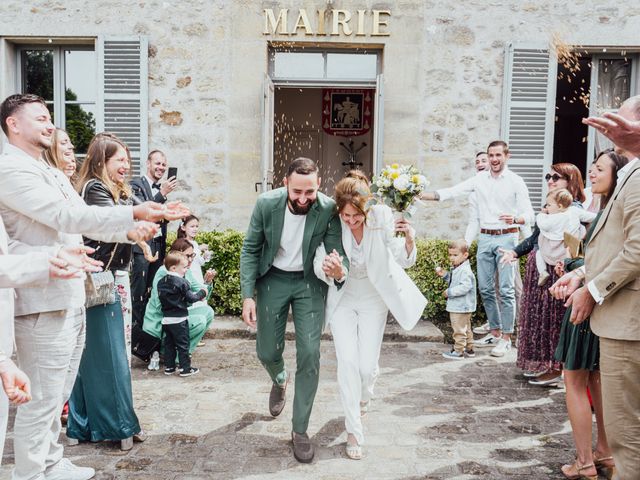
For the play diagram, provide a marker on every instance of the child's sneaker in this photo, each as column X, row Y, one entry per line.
column 453, row 355
column 469, row 353
column 170, row 371
column 542, row 279
column 188, row 373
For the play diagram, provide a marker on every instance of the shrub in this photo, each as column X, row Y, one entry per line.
column 225, row 247
column 225, row 259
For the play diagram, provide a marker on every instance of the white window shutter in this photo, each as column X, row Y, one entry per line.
column 528, row 114
column 123, row 92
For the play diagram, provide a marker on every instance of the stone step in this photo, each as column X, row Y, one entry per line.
column 228, row 326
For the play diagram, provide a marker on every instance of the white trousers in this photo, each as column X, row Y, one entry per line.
column 357, row 326
column 49, row 349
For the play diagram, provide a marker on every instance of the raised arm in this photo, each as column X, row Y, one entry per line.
column 25, row 192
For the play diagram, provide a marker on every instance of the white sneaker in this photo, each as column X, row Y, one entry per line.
column 501, row 348
column 482, row 329
column 65, row 470
column 486, row 341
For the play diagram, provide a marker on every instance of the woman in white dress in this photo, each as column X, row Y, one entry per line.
column 376, row 283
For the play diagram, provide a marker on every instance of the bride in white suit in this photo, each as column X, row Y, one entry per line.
column 376, row 283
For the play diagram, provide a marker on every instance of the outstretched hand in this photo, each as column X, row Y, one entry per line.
column 565, row 286
column 623, row 133
column 71, row 261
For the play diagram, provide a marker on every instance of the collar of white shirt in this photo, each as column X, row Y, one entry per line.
column 151, row 182
column 10, row 149
column 175, row 274
column 624, row 170
column 502, row 174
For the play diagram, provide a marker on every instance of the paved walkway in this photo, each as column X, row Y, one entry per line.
column 433, row 419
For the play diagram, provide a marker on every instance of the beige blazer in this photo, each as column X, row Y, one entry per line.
column 40, row 209
column 16, row 271
column 613, row 262
column 386, row 259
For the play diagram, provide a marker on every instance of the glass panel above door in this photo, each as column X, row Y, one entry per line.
column 352, row 66
column 298, row 65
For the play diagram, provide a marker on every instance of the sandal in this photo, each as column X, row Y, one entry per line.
column 605, row 465
column 354, row 451
column 578, row 468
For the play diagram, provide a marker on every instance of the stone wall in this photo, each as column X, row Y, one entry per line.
column 443, row 67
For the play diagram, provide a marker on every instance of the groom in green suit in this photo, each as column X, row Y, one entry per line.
column 276, row 265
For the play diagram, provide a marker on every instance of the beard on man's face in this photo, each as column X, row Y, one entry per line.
column 298, row 209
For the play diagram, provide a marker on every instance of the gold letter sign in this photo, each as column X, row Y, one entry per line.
column 374, row 23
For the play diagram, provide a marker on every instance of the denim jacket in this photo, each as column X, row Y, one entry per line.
column 461, row 294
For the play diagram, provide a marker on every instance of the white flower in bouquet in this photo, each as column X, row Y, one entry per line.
column 402, row 183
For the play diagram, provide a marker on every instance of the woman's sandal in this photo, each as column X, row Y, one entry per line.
column 605, row 465
column 354, row 451
column 578, row 468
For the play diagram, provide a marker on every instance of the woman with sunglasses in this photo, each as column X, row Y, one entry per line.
column 540, row 313
column 200, row 314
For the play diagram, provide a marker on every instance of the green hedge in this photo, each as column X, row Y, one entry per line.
column 226, row 245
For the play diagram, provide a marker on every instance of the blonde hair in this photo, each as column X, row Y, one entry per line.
column 173, row 258
column 102, row 147
column 561, row 196
column 353, row 190
column 52, row 155
column 460, row 244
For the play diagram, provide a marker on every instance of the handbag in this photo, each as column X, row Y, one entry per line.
column 100, row 287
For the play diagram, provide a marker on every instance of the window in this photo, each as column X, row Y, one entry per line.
column 320, row 65
column 66, row 77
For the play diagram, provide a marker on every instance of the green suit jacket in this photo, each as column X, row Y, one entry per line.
column 265, row 230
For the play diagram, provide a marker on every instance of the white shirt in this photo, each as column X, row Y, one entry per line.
column 505, row 194
column 289, row 256
column 357, row 260
column 154, row 190
column 197, row 263
column 553, row 225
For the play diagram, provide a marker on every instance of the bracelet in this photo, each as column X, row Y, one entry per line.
column 579, row 273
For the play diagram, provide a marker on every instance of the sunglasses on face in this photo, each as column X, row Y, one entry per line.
column 555, row 177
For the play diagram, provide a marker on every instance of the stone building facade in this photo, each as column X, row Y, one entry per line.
column 454, row 76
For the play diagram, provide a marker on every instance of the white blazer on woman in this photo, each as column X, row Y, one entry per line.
column 386, row 258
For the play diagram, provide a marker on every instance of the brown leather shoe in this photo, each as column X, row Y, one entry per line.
column 278, row 398
column 302, row 447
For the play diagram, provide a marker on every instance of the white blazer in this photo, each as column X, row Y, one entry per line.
column 386, row 258
column 17, row 271
column 41, row 210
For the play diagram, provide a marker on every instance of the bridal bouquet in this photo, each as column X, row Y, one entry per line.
column 398, row 186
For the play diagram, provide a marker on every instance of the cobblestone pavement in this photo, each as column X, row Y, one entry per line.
column 432, row 419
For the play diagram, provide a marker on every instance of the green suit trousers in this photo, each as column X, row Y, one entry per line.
column 276, row 292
